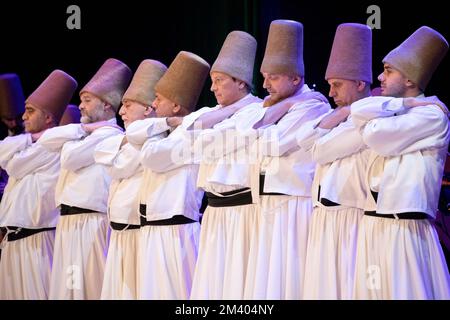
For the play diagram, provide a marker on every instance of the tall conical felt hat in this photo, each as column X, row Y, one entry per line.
column 183, row 81
column 418, row 56
column 284, row 49
column 72, row 114
column 12, row 101
column 142, row 87
column 237, row 56
column 351, row 54
column 54, row 94
column 110, row 82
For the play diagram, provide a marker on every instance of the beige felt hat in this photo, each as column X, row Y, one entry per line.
column 110, row 82
column 351, row 54
column 12, row 101
column 142, row 86
column 418, row 56
column 237, row 56
column 183, row 81
column 54, row 94
column 284, row 49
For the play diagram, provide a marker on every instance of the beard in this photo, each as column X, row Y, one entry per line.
column 394, row 90
column 85, row 119
column 93, row 116
column 271, row 100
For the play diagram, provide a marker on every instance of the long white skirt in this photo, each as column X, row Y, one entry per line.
column 121, row 269
column 223, row 254
column 399, row 259
column 25, row 267
column 278, row 249
column 167, row 260
column 79, row 259
column 331, row 253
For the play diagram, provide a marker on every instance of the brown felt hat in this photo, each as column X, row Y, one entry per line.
column 183, row 81
column 72, row 114
column 284, row 49
column 110, row 82
column 418, row 56
column 54, row 94
column 142, row 87
column 351, row 54
column 237, row 56
column 12, row 101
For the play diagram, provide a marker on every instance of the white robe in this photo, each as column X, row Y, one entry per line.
column 401, row 259
column 276, row 267
column 341, row 171
column 167, row 253
column 81, row 241
column 122, row 263
column 28, row 202
column 225, row 235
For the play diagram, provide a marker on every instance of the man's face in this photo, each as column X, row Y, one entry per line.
column 131, row 111
column 34, row 119
column 344, row 92
column 393, row 83
column 226, row 90
column 164, row 107
column 92, row 108
column 280, row 86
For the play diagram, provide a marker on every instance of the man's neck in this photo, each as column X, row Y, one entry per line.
column 412, row 93
column 242, row 96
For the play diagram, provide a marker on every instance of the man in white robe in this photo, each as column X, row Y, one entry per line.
column 339, row 189
column 81, row 240
column 121, row 160
column 398, row 250
column 28, row 210
column 169, row 200
column 277, row 249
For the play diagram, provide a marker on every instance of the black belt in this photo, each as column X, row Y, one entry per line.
column 233, row 198
column 177, row 219
column 21, row 233
column 68, row 210
column 328, row 203
column 325, row 201
column 403, row 215
column 262, row 179
column 122, row 226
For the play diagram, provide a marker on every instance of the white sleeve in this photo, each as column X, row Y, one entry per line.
column 230, row 135
column 79, row 154
column 29, row 160
column 54, row 139
column 342, row 141
column 19, row 156
column 421, row 128
column 161, row 154
column 310, row 132
column 369, row 108
column 280, row 138
column 139, row 131
column 11, row 145
column 121, row 162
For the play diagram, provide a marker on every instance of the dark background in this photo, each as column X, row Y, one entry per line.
column 35, row 39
